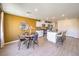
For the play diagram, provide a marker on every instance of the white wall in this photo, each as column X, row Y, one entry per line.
column 69, row 25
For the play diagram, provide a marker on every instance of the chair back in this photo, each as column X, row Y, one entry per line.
column 64, row 35
column 21, row 37
column 35, row 37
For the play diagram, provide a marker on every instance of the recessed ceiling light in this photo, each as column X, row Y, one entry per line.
column 35, row 9
column 63, row 15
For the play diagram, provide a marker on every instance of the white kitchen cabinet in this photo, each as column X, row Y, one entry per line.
column 51, row 36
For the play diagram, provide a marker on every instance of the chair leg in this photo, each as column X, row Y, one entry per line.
column 37, row 42
column 28, row 43
column 57, row 44
column 19, row 45
column 32, row 42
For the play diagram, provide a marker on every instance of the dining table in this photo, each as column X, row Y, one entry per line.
column 30, row 39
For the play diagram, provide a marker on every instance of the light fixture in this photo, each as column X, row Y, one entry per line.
column 28, row 12
column 62, row 15
column 53, row 17
column 36, row 9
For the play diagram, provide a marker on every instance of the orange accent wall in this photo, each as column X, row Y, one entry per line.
column 11, row 26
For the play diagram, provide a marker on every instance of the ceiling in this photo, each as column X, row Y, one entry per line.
column 43, row 10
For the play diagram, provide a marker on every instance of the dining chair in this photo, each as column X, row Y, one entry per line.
column 60, row 38
column 64, row 35
column 35, row 39
column 22, row 40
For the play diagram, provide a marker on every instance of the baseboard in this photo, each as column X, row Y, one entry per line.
column 72, row 37
column 18, row 40
column 11, row 42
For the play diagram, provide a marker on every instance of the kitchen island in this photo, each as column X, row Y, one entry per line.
column 51, row 36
